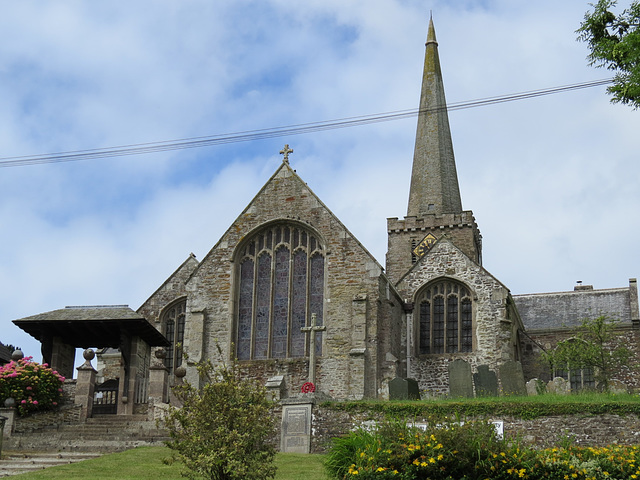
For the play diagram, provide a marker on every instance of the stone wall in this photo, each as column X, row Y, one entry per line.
column 67, row 414
column 461, row 229
column 585, row 430
column 493, row 325
column 353, row 363
column 536, row 342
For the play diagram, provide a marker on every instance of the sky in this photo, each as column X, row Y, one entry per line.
column 552, row 181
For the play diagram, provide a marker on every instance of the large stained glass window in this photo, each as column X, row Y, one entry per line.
column 173, row 321
column 445, row 318
column 280, row 284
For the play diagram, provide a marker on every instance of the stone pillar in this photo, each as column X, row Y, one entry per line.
column 9, row 413
column 179, row 373
column 85, row 385
column 158, row 379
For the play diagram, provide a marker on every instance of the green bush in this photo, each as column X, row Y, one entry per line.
column 222, row 431
column 33, row 386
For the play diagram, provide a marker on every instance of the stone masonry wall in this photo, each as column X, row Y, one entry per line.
column 584, row 430
column 461, row 229
column 536, row 342
column 492, row 326
column 349, row 366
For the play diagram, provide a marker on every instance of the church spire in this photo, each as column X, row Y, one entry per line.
column 434, row 180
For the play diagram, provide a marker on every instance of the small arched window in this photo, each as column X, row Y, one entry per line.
column 280, row 284
column 173, row 321
column 445, row 315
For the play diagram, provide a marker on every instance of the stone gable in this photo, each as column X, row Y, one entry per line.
column 360, row 306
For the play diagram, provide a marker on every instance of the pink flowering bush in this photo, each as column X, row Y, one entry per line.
column 33, row 386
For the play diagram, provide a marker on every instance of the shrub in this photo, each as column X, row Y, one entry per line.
column 222, row 431
column 33, row 386
column 469, row 451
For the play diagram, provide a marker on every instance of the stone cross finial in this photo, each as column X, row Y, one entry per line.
column 286, row 151
column 312, row 329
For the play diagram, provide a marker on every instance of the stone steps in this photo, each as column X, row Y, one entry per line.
column 98, row 435
column 14, row 463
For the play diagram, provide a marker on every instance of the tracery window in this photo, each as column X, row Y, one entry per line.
column 281, row 283
column 445, row 316
column 173, row 321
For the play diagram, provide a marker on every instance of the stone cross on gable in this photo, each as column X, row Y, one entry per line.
column 286, row 151
column 312, row 329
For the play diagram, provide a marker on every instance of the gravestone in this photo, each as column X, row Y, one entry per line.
column 559, row 386
column 512, row 378
column 404, row 389
column 460, row 379
column 535, row 386
column 486, row 382
column 276, row 388
column 296, row 428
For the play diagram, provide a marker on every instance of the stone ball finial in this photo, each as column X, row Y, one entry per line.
column 160, row 353
column 10, row 402
column 180, row 372
column 89, row 354
column 17, row 355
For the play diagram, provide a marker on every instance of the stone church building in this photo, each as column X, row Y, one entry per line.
column 287, row 263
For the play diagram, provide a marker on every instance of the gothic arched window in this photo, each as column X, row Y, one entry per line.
column 173, row 321
column 280, row 284
column 445, row 315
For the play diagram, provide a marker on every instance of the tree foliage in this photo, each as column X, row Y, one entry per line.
column 222, row 431
column 593, row 347
column 614, row 41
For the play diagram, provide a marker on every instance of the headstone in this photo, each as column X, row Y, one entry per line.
column 512, row 378
column 535, row 386
column 404, row 389
column 296, row 428
column 559, row 386
column 617, row 387
column 276, row 388
column 460, row 379
column 486, row 382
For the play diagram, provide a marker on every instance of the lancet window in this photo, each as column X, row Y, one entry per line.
column 280, row 284
column 445, row 316
column 173, row 321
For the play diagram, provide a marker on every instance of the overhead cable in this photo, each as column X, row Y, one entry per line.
column 289, row 130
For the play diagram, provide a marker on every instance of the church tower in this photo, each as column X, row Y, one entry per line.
column 435, row 206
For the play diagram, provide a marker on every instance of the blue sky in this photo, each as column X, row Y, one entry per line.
column 552, row 181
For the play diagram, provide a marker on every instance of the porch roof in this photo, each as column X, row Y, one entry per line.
column 92, row 326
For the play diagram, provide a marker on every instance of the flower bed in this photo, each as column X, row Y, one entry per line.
column 469, row 451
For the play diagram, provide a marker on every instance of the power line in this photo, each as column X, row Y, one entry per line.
column 289, row 130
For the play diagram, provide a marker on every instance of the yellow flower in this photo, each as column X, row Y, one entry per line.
column 432, row 460
column 440, row 457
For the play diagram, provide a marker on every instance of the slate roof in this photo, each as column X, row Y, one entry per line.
column 91, row 326
column 568, row 309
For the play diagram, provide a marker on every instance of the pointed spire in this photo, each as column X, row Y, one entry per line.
column 434, row 180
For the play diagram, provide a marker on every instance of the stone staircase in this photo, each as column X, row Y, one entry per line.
column 67, row 443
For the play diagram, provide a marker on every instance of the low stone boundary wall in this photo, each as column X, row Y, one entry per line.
column 64, row 415
column 584, row 430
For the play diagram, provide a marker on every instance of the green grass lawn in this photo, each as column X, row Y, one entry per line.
column 145, row 463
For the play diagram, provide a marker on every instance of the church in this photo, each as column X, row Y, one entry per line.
column 290, row 293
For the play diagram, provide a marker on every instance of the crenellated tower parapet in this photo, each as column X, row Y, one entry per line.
column 411, row 233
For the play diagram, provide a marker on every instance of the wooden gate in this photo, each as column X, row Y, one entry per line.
column 105, row 398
